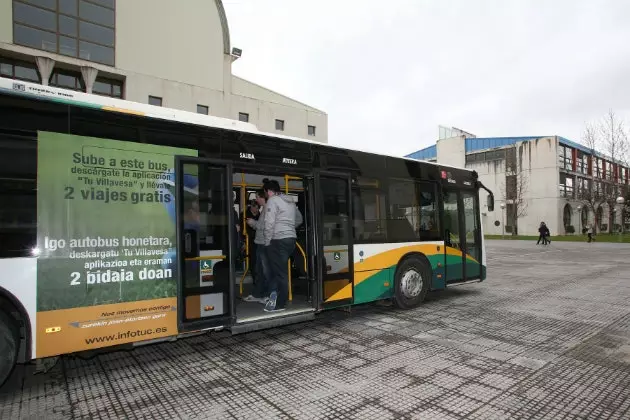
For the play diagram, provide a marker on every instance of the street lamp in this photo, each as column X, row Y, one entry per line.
column 502, row 221
column 579, row 210
column 621, row 201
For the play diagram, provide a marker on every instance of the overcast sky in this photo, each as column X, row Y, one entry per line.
column 388, row 73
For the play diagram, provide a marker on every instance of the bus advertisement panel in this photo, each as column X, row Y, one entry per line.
column 106, row 238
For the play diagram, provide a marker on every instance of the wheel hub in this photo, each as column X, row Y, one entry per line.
column 411, row 284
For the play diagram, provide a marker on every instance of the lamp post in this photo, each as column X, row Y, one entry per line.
column 502, row 221
column 579, row 209
column 621, row 201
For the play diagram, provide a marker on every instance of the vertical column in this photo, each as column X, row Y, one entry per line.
column 45, row 65
column 89, row 77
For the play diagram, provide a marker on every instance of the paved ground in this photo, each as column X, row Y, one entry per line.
column 547, row 336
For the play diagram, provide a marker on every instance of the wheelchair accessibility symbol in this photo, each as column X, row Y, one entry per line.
column 337, row 255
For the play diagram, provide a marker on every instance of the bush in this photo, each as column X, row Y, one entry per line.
column 569, row 229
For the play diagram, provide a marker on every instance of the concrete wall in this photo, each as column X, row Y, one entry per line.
column 452, row 151
column 6, row 21
column 157, row 38
column 537, row 160
column 265, row 106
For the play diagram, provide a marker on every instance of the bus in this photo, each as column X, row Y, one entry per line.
column 123, row 224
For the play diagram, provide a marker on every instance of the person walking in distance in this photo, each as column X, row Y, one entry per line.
column 281, row 218
column 543, row 234
column 589, row 232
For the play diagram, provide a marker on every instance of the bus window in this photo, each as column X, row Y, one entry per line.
column 18, row 196
column 368, row 216
column 451, row 219
column 403, row 224
column 429, row 212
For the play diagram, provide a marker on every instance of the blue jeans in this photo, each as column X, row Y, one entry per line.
column 261, row 289
column 278, row 253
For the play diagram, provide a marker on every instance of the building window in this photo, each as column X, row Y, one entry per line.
column 511, row 187
column 565, row 157
column 510, row 159
column 280, row 125
column 583, row 189
column 311, row 130
column 598, row 167
column 19, row 70
column 498, row 154
column 244, row 117
column 202, row 109
column 108, row 87
column 84, row 29
column 566, row 186
column 67, row 80
column 609, row 171
column 155, row 100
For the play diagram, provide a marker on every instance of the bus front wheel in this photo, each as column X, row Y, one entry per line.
column 413, row 277
column 9, row 342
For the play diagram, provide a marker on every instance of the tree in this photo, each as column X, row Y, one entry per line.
column 610, row 138
column 515, row 188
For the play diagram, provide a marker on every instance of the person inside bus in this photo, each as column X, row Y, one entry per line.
column 280, row 220
column 261, row 267
column 252, row 212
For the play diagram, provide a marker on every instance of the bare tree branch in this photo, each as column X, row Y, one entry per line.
column 515, row 188
column 610, row 138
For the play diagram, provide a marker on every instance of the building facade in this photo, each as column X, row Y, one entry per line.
column 538, row 178
column 147, row 51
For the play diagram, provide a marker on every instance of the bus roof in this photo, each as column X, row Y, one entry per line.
column 82, row 99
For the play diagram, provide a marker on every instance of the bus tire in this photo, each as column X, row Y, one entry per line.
column 412, row 280
column 9, row 345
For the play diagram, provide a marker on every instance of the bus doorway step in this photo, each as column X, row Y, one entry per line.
column 275, row 322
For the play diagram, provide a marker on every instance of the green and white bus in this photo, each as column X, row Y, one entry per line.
column 121, row 224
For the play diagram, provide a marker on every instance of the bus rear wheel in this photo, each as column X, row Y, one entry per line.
column 413, row 277
column 9, row 342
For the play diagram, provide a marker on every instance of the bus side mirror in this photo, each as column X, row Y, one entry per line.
column 490, row 202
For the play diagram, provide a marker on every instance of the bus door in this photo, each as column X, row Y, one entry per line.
column 334, row 238
column 461, row 235
column 206, row 232
column 470, row 206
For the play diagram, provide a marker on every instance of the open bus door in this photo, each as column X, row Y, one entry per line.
column 462, row 236
column 206, row 228
column 334, row 238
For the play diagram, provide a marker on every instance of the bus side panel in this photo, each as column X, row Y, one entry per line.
column 18, row 276
column 106, row 241
column 375, row 267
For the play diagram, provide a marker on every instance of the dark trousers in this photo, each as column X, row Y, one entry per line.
column 542, row 238
column 261, row 269
column 252, row 248
column 278, row 253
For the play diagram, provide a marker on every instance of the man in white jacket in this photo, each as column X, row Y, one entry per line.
column 281, row 218
column 261, row 267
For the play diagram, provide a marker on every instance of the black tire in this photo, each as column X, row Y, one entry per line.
column 9, row 345
column 408, row 293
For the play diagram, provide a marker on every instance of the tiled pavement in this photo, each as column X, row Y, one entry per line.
column 547, row 336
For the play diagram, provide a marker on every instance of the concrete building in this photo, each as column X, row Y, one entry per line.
column 538, row 178
column 147, row 51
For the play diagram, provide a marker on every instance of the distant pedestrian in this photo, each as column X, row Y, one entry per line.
column 543, row 234
column 589, row 232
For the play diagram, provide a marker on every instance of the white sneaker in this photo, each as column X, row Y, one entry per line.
column 250, row 298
